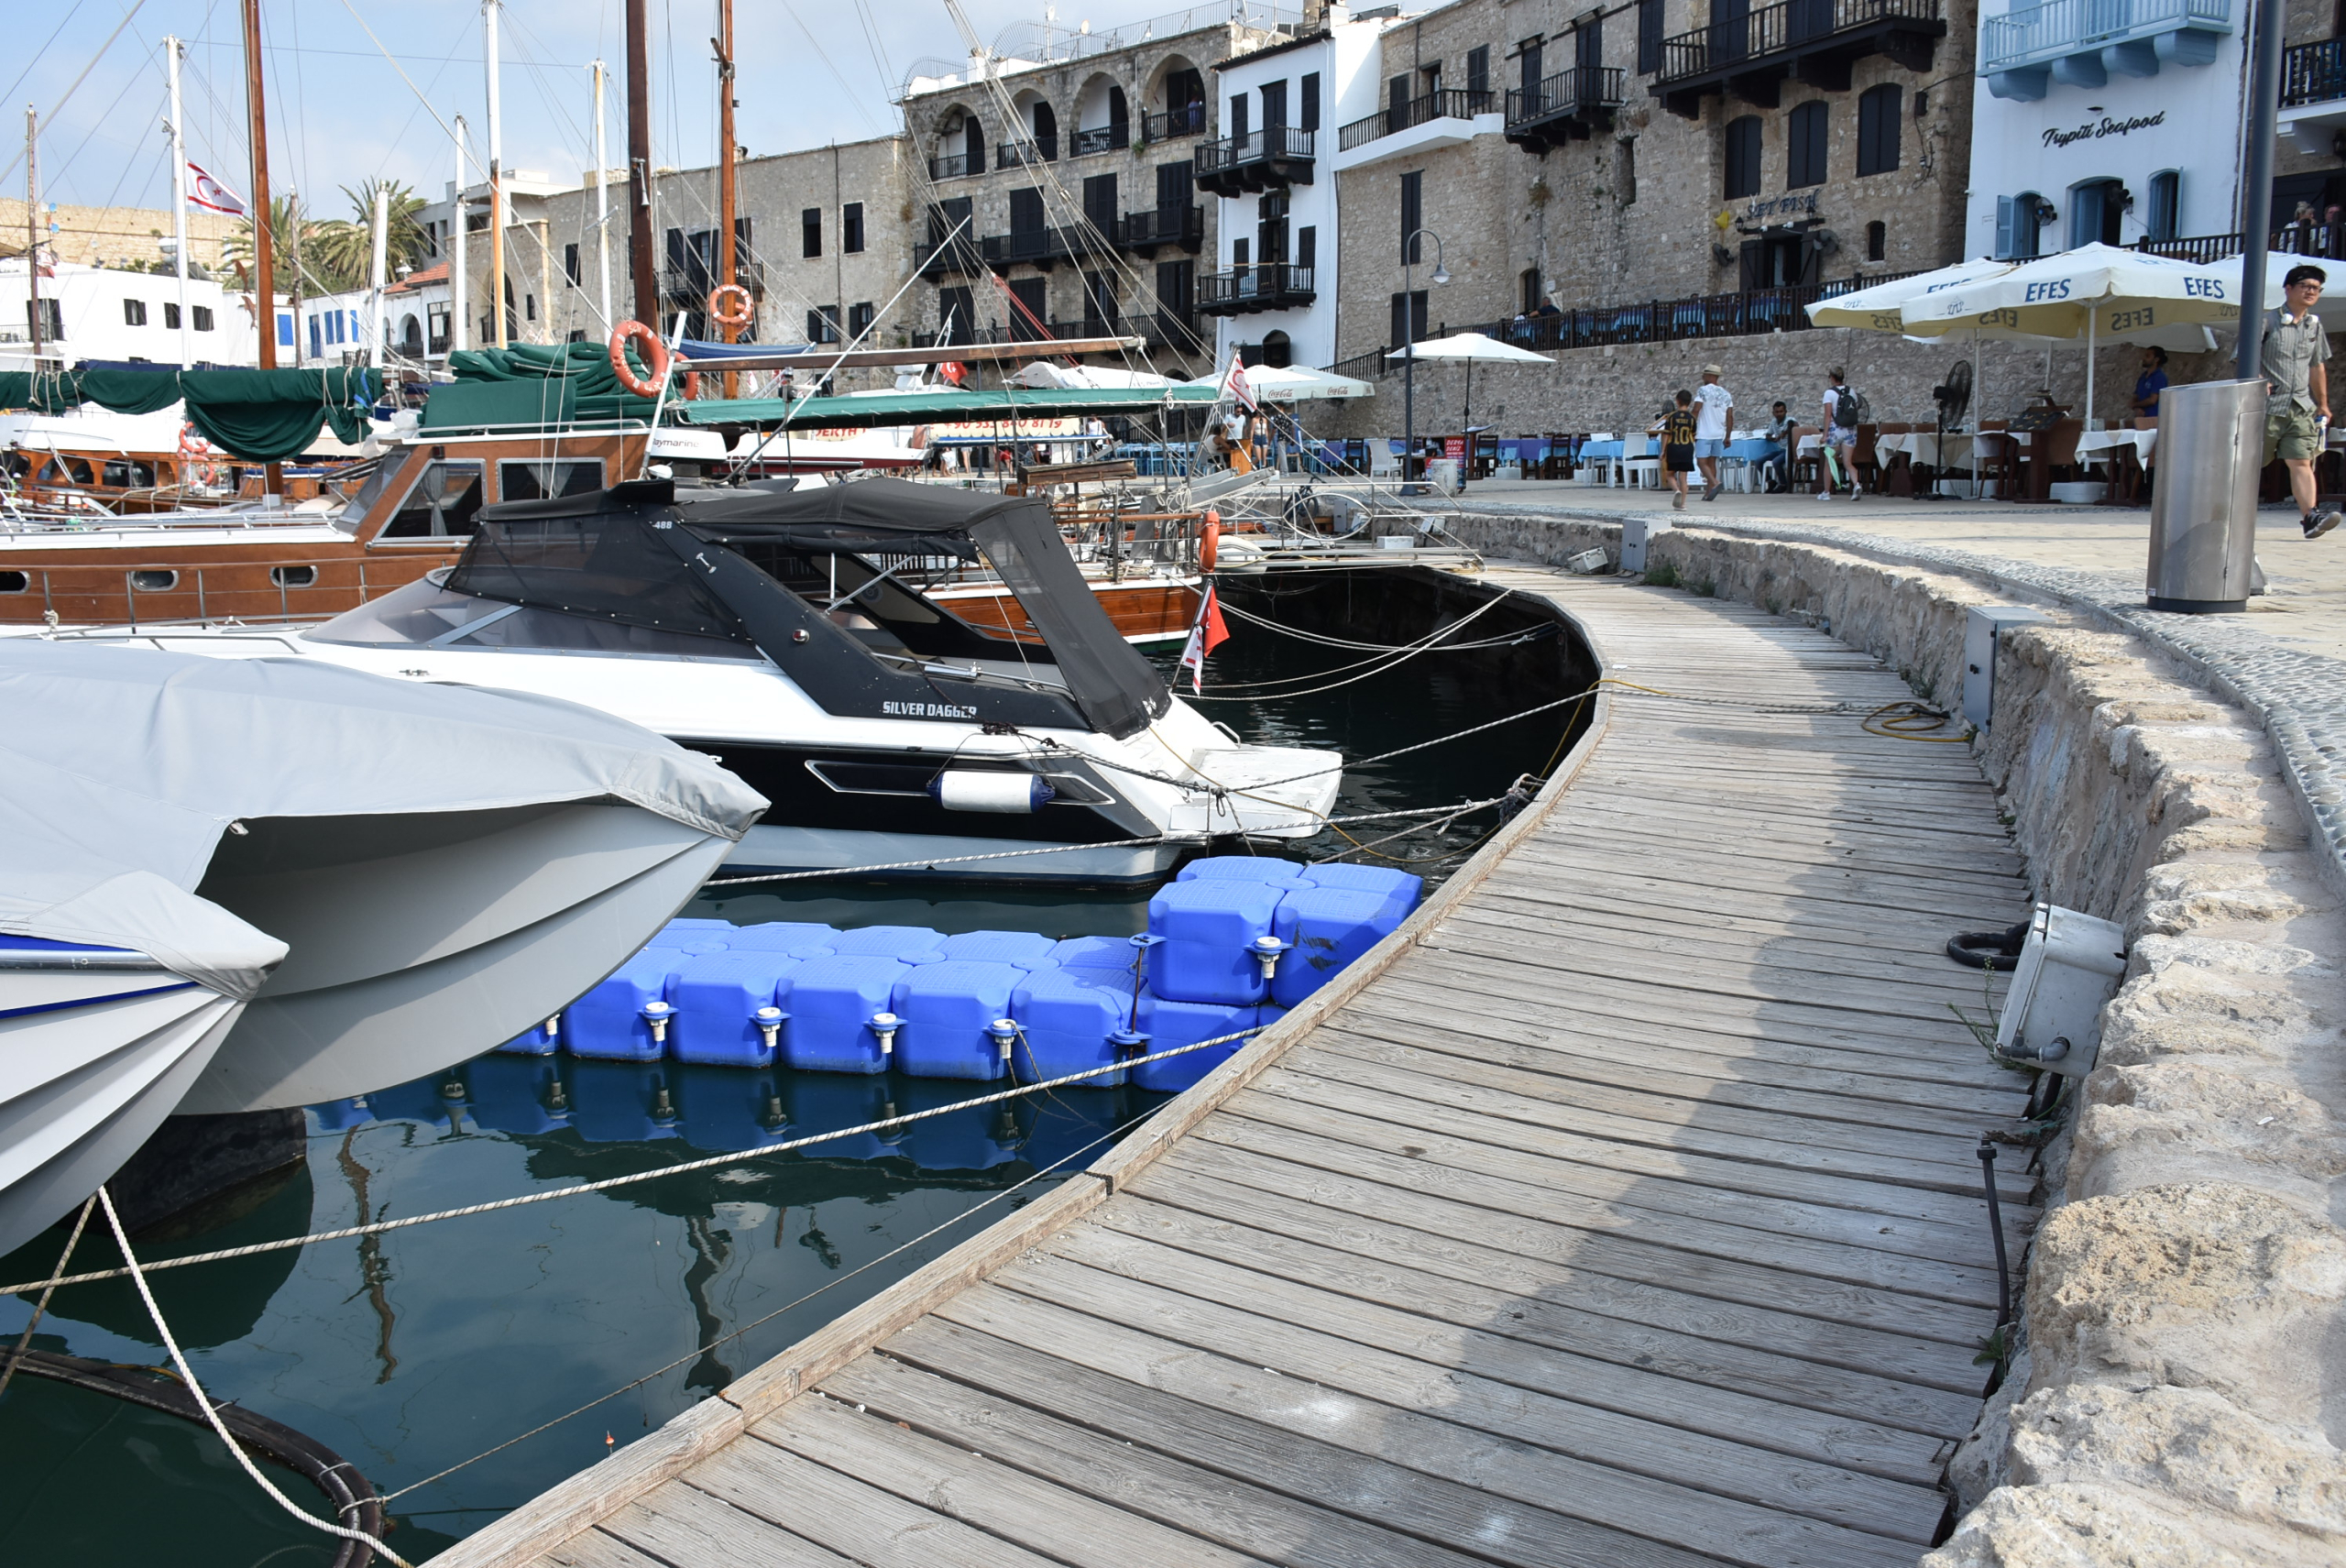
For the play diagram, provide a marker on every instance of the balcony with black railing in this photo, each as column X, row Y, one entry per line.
column 1243, row 290
column 1269, row 159
column 1175, row 332
column 1044, row 248
column 1101, row 139
column 936, row 257
column 1189, row 120
column 1151, row 228
column 2313, row 97
column 1812, row 41
column 1446, row 104
column 688, row 284
column 1026, row 151
column 957, row 165
column 2326, row 241
column 1571, row 105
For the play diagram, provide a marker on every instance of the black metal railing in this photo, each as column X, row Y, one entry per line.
column 956, row 166
column 1745, row 313
column 1271, row 144
column 1274, row 285
column 2314, row 73
column 2325, row 240
column 960, row 254
column 1174, row 332
column 1027, row 150
column 1778, row 29
column 1184, row 226
column 1070, row 242
column 1105, row 138
column 1188, row 120
column 1445, row 103
column 1574, row 92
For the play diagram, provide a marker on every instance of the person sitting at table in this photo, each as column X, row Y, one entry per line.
column 2150, row 383
column 1778, row 430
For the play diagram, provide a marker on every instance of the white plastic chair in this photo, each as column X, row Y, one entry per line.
column 1639, row 462
column 1382, row 463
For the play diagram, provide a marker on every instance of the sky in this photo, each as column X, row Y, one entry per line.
column 340, row 112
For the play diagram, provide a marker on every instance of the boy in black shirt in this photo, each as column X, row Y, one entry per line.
column 1676, row 429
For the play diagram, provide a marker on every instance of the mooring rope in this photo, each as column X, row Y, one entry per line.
column 711, row 1162
column 187, row 1375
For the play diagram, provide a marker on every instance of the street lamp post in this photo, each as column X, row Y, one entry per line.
column 1409, row 336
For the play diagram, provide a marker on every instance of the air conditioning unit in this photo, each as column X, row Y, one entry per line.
column 2069, row 969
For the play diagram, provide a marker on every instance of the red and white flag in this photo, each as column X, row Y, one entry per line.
column 1235, row 384
column 1207, row 635
column 205, row 191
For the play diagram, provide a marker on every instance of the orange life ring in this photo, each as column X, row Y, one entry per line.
column 1209, row 541
column 735, row 319
column 655, row 355
column 692, row 384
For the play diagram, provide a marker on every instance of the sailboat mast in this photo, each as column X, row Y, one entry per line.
column 460, row 297
column 32, row 223
column 638, row 167
column 602, row 202
column 727, row 271
column 173, row 50
column 264, row 259
column 495, row 183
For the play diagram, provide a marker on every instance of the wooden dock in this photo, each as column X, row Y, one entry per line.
column 1622, row 1211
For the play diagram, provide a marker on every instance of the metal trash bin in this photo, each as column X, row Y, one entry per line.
column 2203, row 509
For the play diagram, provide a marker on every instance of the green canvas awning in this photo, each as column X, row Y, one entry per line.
column 261, row 416
column 533, row 384
column 953, row 407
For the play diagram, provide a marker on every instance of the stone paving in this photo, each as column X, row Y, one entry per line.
column 2284, row 661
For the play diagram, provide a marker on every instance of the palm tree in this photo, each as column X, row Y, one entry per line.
column 320, row 252
column 405, row 240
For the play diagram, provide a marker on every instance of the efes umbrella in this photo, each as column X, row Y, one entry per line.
column 1293, row 384
column 1471, row 346
column 1876, row 309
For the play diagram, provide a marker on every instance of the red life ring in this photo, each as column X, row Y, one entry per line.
column 655, row 355
column 692, row 384
column 1209, row 541
column 737, row 318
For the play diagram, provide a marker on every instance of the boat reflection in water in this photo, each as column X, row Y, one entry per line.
column 570, row 1109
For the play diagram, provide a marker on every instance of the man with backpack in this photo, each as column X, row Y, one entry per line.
column 1845, row 409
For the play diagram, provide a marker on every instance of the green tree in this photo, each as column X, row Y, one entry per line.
column 322, row 251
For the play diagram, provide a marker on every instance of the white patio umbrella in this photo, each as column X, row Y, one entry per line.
column 1293, row 384
column 2097, row 292
column 1876, row 308
column 1471, row 346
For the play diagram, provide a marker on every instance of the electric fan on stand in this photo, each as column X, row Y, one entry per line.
column 1954, row 399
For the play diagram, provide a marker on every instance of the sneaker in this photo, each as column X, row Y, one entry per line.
column 2322, row 522
column 1824, row 495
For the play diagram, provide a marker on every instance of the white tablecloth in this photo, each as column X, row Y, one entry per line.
column 1926, row 447
column 2093, row 441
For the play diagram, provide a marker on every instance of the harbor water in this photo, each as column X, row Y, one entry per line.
column 448, row 1346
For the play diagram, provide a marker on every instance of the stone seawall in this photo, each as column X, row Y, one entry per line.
column 2178, row 1394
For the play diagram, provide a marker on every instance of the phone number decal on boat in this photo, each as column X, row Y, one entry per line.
column 926, row 710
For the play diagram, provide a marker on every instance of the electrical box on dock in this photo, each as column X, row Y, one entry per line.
column 2069, row 970
column 1985, row 624
column 1637, row 532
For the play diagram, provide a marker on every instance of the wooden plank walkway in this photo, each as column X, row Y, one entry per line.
column 1626, row 1218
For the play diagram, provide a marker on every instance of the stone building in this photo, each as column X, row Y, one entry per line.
column 820, row 242
column 1675, row 179
column 122, row 238
column 1059, row 197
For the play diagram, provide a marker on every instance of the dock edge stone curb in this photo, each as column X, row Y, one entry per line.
column 2166, row 1404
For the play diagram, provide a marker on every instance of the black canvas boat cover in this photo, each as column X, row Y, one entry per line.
column 627, row 553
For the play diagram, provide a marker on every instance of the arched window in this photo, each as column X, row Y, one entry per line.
column 1276, row 350
column 2018, row 221
column 1804, row 145
column 1743, row 156
column 1878, row 115
column 1047, row 129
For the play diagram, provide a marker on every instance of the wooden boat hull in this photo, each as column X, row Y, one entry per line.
column 1147, row 610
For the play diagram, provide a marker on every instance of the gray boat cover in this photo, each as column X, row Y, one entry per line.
column 121, row 768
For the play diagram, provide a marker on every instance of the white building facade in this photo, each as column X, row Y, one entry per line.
column 95, row 312
column 2114, row 122
column 1272, row 173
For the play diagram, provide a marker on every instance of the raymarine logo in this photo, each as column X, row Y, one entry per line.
column 926, row 710
column 2107, row 127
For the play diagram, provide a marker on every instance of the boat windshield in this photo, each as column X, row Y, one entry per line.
column 428, row 614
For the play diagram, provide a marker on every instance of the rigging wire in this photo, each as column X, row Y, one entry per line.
column 58, row 107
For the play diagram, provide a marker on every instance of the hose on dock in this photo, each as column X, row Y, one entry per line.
column 346, row 1490
column 1996, row 950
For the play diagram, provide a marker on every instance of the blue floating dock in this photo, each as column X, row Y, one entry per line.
column 719, row 999
column 906, row 944
column 608, row 1023
column 831, row 1000
column 1267, row 869
column 1027, row 950
column 948, row 1008
column 1208, row 926
column 1067, row 1016
column 1326, row 929
column 1170, row 1023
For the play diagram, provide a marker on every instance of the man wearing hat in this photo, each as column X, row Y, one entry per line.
column 1714, row 428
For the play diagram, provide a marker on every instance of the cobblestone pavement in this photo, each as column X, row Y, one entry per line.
column 2284, row 661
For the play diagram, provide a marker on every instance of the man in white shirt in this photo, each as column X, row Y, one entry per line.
column 1714, row 428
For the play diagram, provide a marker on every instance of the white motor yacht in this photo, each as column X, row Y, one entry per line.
column 787, row 635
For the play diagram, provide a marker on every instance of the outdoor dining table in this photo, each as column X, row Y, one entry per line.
column 1751, row 452
column 1926, row 448
column 2110, row 440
